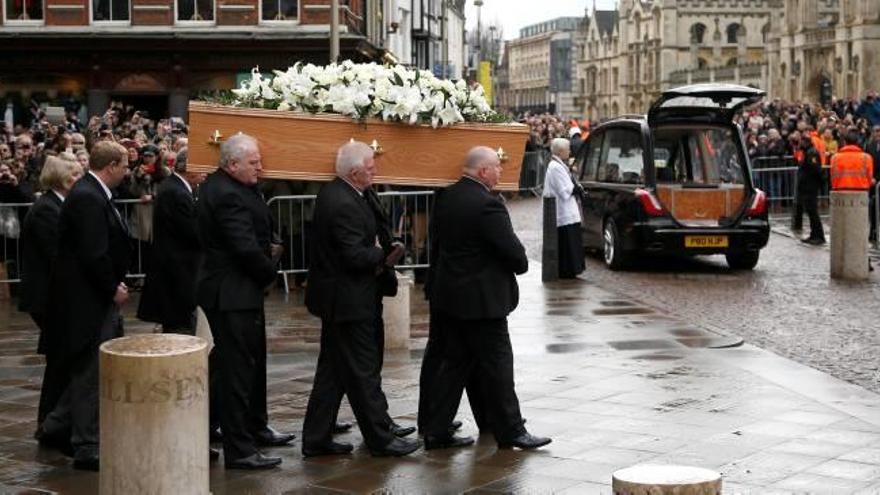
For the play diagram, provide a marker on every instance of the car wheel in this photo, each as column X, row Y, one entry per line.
column 742, row 261
column 614, row 255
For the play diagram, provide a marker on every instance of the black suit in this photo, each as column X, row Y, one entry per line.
column 39, row 235
column 235, row 228
column 343, row 291
column 93, row 255
column 810, row 179
column 472, row 288
column 169, row 295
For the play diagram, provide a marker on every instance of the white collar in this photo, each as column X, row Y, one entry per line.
column 60, row 196
column 361, row 193
column 478, row 182
column 185, row 183
column 103, row 186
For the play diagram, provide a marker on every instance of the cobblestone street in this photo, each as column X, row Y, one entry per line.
column 788, row 304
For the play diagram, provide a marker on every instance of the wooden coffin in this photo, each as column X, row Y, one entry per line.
column 300, row 146
column 701, row 205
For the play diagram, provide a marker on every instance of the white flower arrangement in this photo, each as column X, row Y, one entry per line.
column 361, row 91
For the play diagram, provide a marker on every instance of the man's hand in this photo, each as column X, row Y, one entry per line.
column 276, row 250
column 395, row 255
column 121, row 295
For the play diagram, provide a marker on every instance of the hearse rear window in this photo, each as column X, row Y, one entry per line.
column 700, row 156
column 622, row 159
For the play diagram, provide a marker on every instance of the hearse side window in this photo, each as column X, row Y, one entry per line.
column 622, row 160
column 591, row 158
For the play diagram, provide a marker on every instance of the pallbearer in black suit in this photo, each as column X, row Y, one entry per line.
column 169, row 295
column 86, row 294
column 343, row 291
column 40, row 238
column 472, row 290
column 235, row 228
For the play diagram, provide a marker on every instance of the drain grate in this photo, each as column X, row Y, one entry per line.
column 634, row 310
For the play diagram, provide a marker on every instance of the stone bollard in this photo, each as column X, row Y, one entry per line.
column 650, row 479
column 550, row 249
column 849, row 235
column 396, row 313
column 154, row 415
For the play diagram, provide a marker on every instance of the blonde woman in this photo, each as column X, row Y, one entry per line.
column 40, row 239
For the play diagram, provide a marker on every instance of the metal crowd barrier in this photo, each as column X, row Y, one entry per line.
column 777, row 177
column 409, row 212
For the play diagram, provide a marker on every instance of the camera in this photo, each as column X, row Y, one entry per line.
column 6, row 178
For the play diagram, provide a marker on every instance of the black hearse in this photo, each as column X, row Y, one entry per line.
column 677, row 181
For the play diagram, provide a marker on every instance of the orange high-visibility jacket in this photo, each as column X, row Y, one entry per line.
column 819, row 144
column 851, row 169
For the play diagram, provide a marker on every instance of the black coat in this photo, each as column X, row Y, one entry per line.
column 474, row 254
column 235, row 228
column 39, row 238
column 344, row 256
column 169, row 295
column 873, row 149
column 93, row 256
column 809, row 174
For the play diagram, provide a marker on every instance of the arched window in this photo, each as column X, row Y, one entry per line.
column 731, row 62
column 698, row 31
column 733, row 32
column 765, row 33
column 702, row 63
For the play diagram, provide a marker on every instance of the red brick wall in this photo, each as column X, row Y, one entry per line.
column 347, row 16
column 66, row 12
column 237, row 12
column 152, row 12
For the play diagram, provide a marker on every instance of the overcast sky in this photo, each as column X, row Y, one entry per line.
column 515, row 14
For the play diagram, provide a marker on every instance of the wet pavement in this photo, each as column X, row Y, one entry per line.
column 613, row 377
column 788, row 304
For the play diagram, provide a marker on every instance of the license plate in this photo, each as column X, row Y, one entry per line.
column 705, row 241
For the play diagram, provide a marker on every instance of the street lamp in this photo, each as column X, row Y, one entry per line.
column 479, row 5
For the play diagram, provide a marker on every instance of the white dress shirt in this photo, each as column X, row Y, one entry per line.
column 558, row 184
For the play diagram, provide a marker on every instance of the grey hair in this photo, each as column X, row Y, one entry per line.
column 559, row 144
column 235, row 148
column 180, row 161
column 477, row 158
column 352, row 156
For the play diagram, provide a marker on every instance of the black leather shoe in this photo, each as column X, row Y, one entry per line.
column 397, row 448
column 255, row 461
column 62, row 444
column 342, row 427
column 272, row 438
column 213, row 453
column 455, row 425
column 525, row 441
column 333, row 448
column 446, row 442
column 401, row 431
column 215, row 435
column 86, row 459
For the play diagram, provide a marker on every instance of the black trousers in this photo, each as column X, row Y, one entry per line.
column 77, row 409
column 431, row 362
column 240, row 347
column 808, row 202
column 872, row 211
column 379, row 328
column 348, row 361
column 478, row 348
column 55, row 376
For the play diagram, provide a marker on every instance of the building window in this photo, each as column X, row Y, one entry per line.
column 279, row 10
column 110, row 10
column 698, row 31
column 702, row 63
column 195, row 10
column 24, row 10
column 733, row 33
column 731, row 62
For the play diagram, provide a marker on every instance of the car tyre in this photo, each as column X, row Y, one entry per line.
column 742, row 261
column 612, row 243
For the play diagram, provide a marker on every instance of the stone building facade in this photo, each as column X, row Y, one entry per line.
column 541, row 67
column 795, row 49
